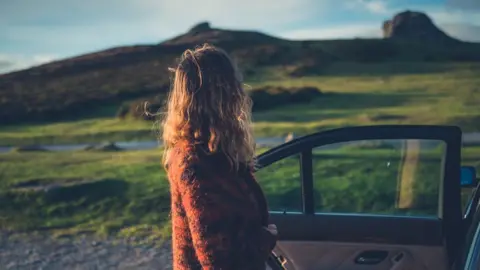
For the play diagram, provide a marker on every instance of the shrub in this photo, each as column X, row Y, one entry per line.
column 271, row 97
column 264, row 98
column 123, row 111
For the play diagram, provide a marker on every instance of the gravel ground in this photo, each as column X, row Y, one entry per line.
column 85, row 253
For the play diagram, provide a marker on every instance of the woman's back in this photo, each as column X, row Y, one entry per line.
column 216, row 215
column 219, row 213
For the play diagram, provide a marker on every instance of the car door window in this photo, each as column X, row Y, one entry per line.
column 281, row 183
column 387, row 177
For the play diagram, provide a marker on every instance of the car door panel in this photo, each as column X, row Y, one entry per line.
column 315, row 233
column 315, row 244
column 360, row 229
column 312, row 255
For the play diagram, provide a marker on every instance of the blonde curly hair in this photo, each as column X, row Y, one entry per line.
column 208, row 105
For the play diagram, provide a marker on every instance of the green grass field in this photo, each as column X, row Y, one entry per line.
column 394, row 93
column 126, row 193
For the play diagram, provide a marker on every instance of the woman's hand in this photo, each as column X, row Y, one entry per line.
column 272, row 228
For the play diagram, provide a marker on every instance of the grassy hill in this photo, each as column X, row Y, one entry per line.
column 353, row 94
column 81, row 86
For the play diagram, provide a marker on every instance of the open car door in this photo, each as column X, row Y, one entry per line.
column 374, row 197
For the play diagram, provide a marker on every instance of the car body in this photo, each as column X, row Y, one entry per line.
column 371, row 197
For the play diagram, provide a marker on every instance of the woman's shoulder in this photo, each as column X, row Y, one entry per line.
column 192, row 169
column 196, row 158
column 189, row 159
column 182, row 158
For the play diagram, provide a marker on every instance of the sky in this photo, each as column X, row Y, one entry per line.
column 34, row 32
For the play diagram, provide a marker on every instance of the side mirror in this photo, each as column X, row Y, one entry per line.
column 468, row 176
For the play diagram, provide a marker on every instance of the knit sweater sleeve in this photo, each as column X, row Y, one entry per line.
column 221, row 237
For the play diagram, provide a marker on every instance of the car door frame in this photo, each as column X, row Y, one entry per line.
column 470, row 256
column 450, row 209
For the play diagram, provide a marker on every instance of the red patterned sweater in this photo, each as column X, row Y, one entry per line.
column 217, row 215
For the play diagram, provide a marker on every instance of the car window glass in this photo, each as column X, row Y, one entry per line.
column 390, row 177
column 281, row 183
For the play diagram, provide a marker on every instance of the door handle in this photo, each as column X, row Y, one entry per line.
column 371, row 257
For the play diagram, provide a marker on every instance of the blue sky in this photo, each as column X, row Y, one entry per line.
column 33, row 32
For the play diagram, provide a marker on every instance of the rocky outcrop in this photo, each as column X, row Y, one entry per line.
column 227, row 39
column 412, row 25
column 201, row 27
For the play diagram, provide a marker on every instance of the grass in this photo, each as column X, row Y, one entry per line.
column 80, row 131
column 442, row 97
column 112, row 191
column 126, row 193
column 377, row 94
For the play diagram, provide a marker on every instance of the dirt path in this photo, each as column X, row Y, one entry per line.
column 407, row 176
column 85, row 253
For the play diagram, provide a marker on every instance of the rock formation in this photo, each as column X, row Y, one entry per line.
column 412, row 25
column 201, row 27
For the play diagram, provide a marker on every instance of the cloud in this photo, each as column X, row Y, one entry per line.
column 455, row 16
column 460, row 24
column 6, row 64
column 67, row 28
column 55, row 29
column 340, row 32
column 464, row 4
column 463, row 25
column 152, row 17
column 465, row 32
column 11, row 62
column 373, row 6
column 245, row 13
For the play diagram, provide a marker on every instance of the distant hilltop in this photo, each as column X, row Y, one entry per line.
column 406, row 25
column 64, row 88
column 411, row 25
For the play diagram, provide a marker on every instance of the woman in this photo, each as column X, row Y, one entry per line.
column 219, row 212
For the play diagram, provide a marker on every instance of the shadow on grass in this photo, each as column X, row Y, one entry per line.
column 389, row 69
column 104, row 205
column 95, row 111
column 88, row 192
column 115, row 136
column 345, row 103
column 358, row 101
column 38, row 204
